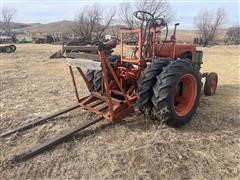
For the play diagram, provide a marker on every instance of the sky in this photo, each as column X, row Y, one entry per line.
column 46, row 11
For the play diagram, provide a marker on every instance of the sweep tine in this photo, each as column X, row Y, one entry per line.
column 56, row 140
column 37, row 121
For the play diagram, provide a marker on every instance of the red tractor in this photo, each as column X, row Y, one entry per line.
column 163, row 77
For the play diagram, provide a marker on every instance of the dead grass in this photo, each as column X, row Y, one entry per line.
column 33, row 85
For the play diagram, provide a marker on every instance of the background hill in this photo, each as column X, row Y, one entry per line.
column 183, row 36
column 16, row 25
column 59, row 26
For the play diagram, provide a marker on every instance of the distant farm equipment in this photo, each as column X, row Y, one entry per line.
column 45, row 38
column 24, row 40
column 71, row 47
column 8, row 48
column 5, row 39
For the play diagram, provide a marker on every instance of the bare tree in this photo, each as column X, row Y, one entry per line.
column 126, row 15
column 101, row 29
column 208, row 23
column 91, row 24
column 233, row 35
column 159, row 8
column 7, row 16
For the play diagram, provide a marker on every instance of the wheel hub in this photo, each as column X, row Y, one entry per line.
column 185, row 94
column 213, row 86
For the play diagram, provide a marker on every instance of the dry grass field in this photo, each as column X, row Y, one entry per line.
column 32, row 85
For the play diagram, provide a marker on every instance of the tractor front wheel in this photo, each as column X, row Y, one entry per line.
column 210, row 85
column 176, row 93
column 97, row 80
column 94, row 78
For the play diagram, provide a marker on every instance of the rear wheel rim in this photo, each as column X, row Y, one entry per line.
column 185, row 94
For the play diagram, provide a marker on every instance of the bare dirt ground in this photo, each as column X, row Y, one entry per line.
column 206, row 148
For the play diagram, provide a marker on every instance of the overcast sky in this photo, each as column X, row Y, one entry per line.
column 45, row 11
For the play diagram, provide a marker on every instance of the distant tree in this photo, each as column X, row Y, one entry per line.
column 7, row 17
column 91, row 24
column 159, row 8
column 233, row 35
column 208, row 23
column 126, row 15
column 113, row 31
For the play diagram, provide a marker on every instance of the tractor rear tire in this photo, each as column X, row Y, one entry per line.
column 210, row 85
column 145, row 83
column 94, row 78
column 176, row 93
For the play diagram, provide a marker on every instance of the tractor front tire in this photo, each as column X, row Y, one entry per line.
column 145, row 83
column 97, row 80
column 94, row 78
column 210, row 85
column 90, row 75
column 176, row 93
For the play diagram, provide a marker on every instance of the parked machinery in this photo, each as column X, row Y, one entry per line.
column 8, row 48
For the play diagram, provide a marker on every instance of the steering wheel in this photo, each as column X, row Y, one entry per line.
column 143, row 15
